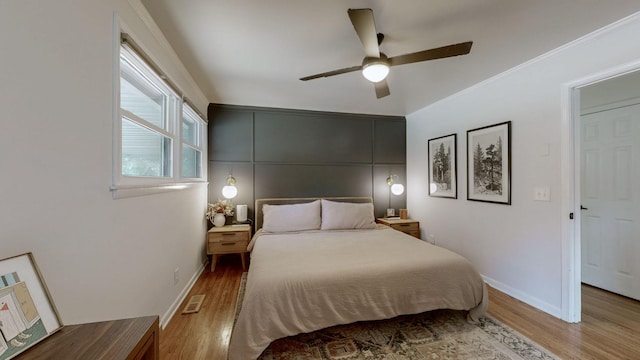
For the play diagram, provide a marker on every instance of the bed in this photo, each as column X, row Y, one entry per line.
column 316, row 263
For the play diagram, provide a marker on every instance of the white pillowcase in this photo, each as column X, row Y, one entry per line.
column 343, row 215
column 294, row 217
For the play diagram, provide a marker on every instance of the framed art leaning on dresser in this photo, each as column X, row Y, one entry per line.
column 27, row 314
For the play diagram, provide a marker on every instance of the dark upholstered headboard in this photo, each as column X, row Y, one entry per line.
column 286, row 201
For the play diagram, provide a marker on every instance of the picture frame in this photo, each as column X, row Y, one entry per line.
column 489, row 163
column 442, row 166
column 27, row 314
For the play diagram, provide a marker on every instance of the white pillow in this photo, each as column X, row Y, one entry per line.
column 343, row 215
column 294, row 217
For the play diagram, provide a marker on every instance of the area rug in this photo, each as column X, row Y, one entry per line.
column 243, row 285
column 433, row 335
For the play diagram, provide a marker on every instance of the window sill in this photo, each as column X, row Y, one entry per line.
column 128, row 191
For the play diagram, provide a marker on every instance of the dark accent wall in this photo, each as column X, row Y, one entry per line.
column 295, row 153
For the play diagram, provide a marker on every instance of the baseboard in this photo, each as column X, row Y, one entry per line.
column 164, row 320
column 526, row 298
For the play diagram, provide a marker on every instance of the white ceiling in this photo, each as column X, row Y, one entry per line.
column 252, row 52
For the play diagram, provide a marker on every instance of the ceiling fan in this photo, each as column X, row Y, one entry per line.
column 375, row 65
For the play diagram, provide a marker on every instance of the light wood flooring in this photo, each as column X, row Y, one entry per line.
column 610, row 327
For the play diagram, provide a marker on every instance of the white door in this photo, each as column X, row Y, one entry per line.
column 610, row 194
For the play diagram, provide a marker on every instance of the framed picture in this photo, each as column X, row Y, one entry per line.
column 489, row 163
column 443, row 176
column 27, row 314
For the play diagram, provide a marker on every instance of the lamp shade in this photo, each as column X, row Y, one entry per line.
column 229, row 191
column 397, row 189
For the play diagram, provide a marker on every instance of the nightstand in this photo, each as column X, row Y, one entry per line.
column 407, row 226
column 229, row 239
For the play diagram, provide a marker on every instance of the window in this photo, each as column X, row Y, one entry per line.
column 159, row 139
column 192, row 143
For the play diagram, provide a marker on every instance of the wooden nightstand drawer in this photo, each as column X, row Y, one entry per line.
column 407, row 227
column 230, row 236
column 228, row 246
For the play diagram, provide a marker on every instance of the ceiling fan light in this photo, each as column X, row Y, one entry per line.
column 375, row 70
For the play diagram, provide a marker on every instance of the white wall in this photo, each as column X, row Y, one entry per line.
column 101, row 258
column 517, row 248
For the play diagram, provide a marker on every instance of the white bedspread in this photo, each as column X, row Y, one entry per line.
column 302, row 282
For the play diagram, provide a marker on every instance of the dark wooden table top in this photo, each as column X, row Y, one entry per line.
column 113, row 340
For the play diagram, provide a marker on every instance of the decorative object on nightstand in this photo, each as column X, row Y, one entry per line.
column 217, row 212
column 219, row 219
column 407, row 226
column 228, row 239
column 241, row 213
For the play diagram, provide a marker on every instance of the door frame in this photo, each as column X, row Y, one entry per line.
column 571, row 299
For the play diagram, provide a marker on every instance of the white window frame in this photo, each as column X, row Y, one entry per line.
column 127, row 186
column 200, row 140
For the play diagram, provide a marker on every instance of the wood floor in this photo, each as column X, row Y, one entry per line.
column 610, row 327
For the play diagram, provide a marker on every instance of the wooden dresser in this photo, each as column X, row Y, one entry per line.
column 408, row 226
column 126, row 339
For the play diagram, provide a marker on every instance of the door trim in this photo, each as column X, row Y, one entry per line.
column 571, row 300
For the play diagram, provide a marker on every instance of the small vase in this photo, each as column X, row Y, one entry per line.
column 219, row 220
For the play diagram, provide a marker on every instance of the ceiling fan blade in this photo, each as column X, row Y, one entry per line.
column 363, row 23
column 432, row 54
column 382, row 89
column 332, row 73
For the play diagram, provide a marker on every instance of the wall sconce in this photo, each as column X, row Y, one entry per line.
column 396, row 188
column 230, row 191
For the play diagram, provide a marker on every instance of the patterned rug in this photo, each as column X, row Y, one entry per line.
column 433, row 335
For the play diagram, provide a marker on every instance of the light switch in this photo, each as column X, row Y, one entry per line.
column 541, row 193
